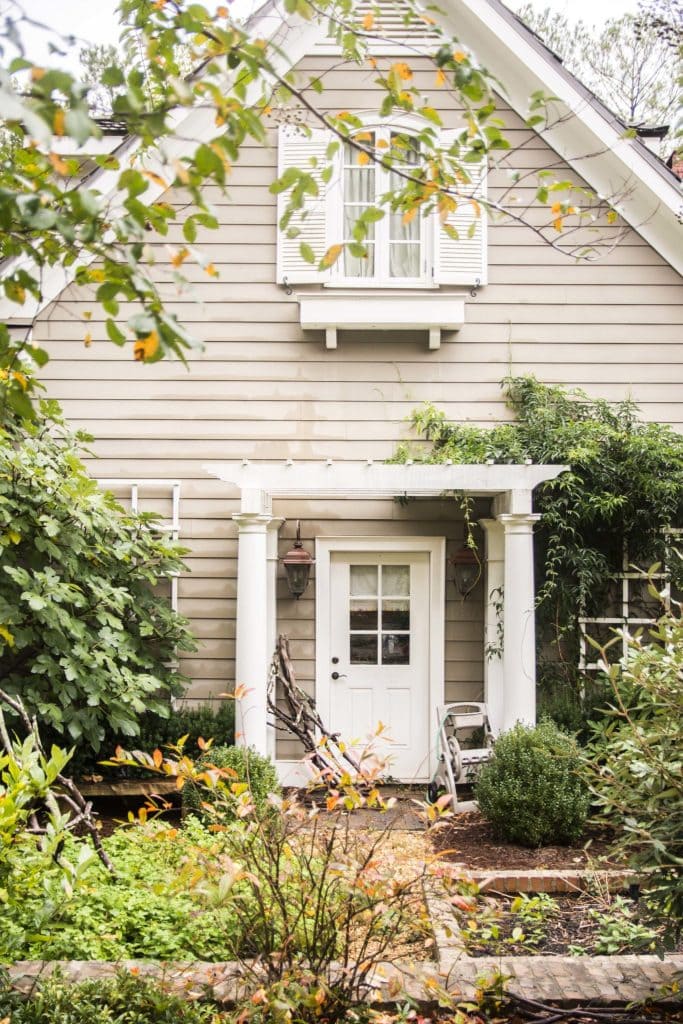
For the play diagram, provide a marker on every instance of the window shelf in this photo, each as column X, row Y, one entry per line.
column 390, row 310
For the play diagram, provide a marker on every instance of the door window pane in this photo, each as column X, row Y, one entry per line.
column 363, row 580
column 363, row 649
column 396, row 614
column 395, row 581
column 396, row 649
column 363, row 614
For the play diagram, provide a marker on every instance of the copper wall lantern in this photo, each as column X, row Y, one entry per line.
column 298, row 564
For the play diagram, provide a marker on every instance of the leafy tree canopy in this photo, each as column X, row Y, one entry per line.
column 84, row 640
column 50, row 219
column 630, row 62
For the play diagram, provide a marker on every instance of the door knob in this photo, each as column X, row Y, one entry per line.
column 338, row 675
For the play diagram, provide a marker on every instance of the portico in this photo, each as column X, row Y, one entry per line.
column 509, row 630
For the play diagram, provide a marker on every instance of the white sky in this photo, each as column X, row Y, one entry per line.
column 95, row 20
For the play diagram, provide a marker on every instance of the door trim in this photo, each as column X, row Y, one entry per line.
column 436, row 548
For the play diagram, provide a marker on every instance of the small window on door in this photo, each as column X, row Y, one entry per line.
column 379, row 614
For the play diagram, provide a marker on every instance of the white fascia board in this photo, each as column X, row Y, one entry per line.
column 344, row 480
column 591, row 143
column 189, row 127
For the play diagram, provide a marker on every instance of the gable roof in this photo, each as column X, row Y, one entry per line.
column 590, row 138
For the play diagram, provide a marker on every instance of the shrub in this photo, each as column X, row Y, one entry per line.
column 530, row 790
column 125, row 998
column 85, row 641
column 635, row 771
column 257, row 771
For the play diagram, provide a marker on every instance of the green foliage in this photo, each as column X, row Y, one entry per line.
column 27, row 780
column 125, row 999
column 625, row 485
column 84, row 639
column 243, row 766
column 621, row 931
column 530, row 790
column 158, row 731
column 635, row 771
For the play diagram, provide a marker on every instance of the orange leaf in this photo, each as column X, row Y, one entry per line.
column 201, row 743
column 409, row 215
column 332, row 255
column 37, row 73
column 179, row 257
column 210, row 270
column 368, row 21
column 221, row 12
column 440, row 77
column 557, row 224
column 556, row 208
column 157, row 757
column 58, row 164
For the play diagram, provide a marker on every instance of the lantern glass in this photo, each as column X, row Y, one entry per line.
column 298, row 574
column 465, row 576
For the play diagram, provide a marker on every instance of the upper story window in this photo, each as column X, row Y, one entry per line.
column 394, row 247
column 397, row 252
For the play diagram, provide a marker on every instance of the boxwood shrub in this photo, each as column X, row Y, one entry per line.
column 530, row 790
column 256, row 770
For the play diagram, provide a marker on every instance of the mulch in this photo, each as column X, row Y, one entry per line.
column 469, row 840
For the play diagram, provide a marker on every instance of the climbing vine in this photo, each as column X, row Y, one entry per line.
column 625, row 485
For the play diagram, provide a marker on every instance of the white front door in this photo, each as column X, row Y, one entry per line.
column 379, row 655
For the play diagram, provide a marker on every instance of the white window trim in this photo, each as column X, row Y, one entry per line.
column 436, row 549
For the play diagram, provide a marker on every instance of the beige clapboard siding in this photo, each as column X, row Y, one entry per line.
column 264, row 391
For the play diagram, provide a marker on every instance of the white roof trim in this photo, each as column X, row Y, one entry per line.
column 369, row 479
column 651, row 201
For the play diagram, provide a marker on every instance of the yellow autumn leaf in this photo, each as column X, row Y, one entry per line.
column 87, row 340
column 402, row 70
column 363, row 137
column 21, row 379
column 144, row 348
column 611, row 216
column 97, row 275
column 476, row 207
column 179, row 257
column 181, row 172
column 368, row 21
column 156, row 178
column 556, row 208
column 37, row 73
column 440, row 77
column 382, row 144
column 557, row 224
column 459, row 56
column 210, row 270
column 222, row 12
column 372, row 61
column 363, row 159
column 58, row 122
column 409, row 215
column 332, row 255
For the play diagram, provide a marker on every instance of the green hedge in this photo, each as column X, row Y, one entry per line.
column 257, row 771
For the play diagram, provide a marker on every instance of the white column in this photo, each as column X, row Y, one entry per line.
column 272, row 529
column 494, row 582
column 519, row 652
column 253, row 630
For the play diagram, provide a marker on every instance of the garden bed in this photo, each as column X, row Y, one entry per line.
column 589, row 924
column 468, row 839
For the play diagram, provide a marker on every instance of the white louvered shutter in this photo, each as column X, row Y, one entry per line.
column 307, row 152
column 463, row 260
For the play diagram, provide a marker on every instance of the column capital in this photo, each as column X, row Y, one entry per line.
column 252, row 522
column 490, row 525
column 518, row 522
